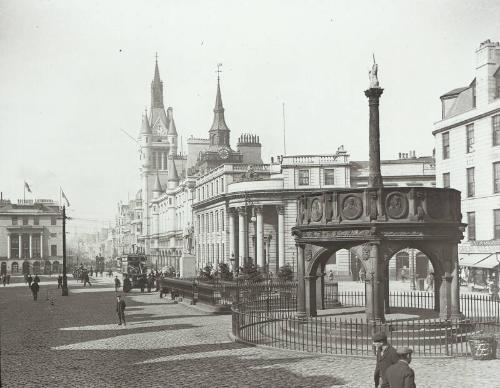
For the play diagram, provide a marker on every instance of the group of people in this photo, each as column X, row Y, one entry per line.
column 392, row 369
column 33, row 284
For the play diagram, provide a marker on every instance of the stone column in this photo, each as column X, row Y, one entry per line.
column 20, row 254
column 412, row 258
column 8, row 246
column 232, row 238
column 311, row 295
column 375, row 296
column 455, row 284
column 41, row 245
column 260, row 237
column 374, row 177
column 281, row 235
column 387, row 299
column 445, row 297
column 320, row 289
column 242, row 243
column 301, row 292
column 31, row 246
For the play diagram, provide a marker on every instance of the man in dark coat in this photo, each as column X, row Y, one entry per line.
column 34, row 289
column 400, row 375
column 36, row 279
column 386, row 356
column 117, row 283
column 120, row 309
column 30, row 280
column 59, row 281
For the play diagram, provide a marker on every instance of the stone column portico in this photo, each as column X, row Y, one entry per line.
column 31, row 246
column 8, row 246
column 301, row 291
column 41, row 245
column 260, row 236
column 232, row 238
column 20, row 253
column 242, row 219
column 281, row 235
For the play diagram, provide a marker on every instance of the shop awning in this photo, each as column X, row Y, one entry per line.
column 488, row 262
column 469, row 259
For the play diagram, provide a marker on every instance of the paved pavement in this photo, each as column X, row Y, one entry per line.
column 75, row 341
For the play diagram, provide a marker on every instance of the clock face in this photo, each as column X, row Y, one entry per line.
column 224, row 153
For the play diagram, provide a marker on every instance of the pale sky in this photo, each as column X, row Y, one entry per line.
column 73, row 73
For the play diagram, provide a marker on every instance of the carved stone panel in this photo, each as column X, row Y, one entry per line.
column 396, row 205
column 316, row 210
column 352, row 207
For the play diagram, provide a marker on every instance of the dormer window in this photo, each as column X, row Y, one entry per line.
column 474, row 94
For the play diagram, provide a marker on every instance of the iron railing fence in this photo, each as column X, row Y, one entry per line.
column 335, row 335
column 280, row 296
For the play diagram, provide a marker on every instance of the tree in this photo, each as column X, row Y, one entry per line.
column 285, row 273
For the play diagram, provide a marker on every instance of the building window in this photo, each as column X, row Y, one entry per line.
column 25, row 220
column 35, row 246
column 222, row 184
column 53, row 250
column 470, row 182
column 53, row 220
column 329, row 176
column 496, row 177
column 446, row 145
column 202, row 223
column 303, row 177
column 495, row 125
column 469, row 129
column 222, row 220
column 216, row 220
column 25, row 246
column 471, row 226
column 14, row 246
column 14, row 220
column 36, row 220
column 496, row 217
column 474, row 95
column 446, row 180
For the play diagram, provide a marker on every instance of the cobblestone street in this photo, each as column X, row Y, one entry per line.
column 75, row 341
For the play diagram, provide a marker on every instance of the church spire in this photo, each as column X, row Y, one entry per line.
column 156, row 88
column 219, row 123
column 157, row 188
column 173, row 176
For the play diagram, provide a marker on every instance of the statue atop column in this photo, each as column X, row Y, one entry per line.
column 188, row 238
column 373, row 75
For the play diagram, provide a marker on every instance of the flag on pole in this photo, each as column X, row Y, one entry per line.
column 27, row 187
column 64, row 197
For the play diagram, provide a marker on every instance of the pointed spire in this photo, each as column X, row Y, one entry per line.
column 156, row 88
column 172, row 171
column 171, row 123
column 145, row 127
column 219, row 121
column 157, row 188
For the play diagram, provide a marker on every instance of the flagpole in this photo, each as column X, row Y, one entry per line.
column 24, row 191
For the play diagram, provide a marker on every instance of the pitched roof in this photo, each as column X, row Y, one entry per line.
column 171, row 123
column 454, row 92
column 145, row 127
column 172, row 170
column 157, row 186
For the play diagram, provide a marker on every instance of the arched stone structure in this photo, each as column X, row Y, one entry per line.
column 378, row 223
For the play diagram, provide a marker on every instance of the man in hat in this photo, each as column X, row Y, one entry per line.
column 120, row 309
column 400, row 375
column 386, row 356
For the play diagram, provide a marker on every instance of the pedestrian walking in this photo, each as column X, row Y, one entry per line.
column 330, row 276
column 4, row 279
column 151, row 282
column 30, row 279
column 36, row 279
column 8, row 278
column 117, row 283
column 86, row 280
column 59, row 281
column 400, row 375
column 386, row 356
column 120, row 309
column 34, row 289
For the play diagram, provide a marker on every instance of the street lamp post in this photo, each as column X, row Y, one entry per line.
column 65, row 278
